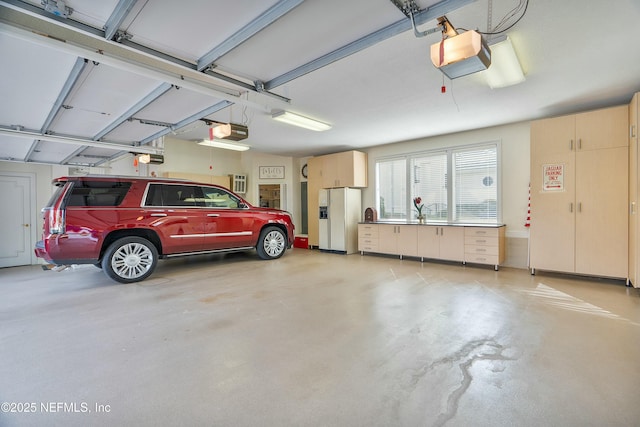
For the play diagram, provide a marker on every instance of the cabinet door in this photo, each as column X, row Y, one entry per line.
column 606, row 128
column 314, row 184
column 452, row 243
column 407, row 240
column 633, row 191
column 552, row 137
column 388, row 239
column 552, row 238
column 602, row 212
column 346, row 169
column 428, row 241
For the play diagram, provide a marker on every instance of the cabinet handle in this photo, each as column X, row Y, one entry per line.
column 571, row 145
column 632, row 208
column 579, row 143
column 580, row 207
column 437, row 231
column 441, row 231
column 571, row 207
column 632, row 131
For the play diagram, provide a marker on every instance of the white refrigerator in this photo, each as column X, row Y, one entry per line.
column 340, row 212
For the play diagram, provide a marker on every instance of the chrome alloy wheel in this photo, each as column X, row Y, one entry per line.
column 132, row 260
column 274, row 243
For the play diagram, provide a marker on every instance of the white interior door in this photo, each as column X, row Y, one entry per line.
column 17, row 220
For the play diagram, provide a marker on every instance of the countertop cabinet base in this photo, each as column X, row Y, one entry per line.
column 466, row 244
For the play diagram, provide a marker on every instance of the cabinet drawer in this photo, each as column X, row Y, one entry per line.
column 482, row 259
column 367, row 230
column 480, row 232
column 367, row 245
column 481, row 240
column 481, row 250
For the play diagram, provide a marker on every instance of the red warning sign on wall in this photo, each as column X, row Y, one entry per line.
column 553, row 177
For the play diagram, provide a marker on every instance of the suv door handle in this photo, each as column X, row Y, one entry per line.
column 158, row 214
column 213, row 215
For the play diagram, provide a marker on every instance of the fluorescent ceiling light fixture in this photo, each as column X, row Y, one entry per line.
column 301, row 121
column 461, row 55
column 224, row 144
column 505, row 69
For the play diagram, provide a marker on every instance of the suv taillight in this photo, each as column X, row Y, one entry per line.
column 56, row 221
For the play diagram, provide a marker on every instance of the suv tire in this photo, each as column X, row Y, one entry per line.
column 130, row 259
column 272, row 243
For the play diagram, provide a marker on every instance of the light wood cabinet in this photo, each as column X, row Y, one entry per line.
column 634, row 188
column 398, row 239
column 579, row 224
column 346, row 169
column 441, row 242
column 314, row 184
column 473, row 244
column 368, row 237
column 483, row 245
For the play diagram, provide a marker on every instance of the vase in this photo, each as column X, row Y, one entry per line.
column 421, row 219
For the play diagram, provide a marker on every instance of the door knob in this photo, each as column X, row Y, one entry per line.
column 26, row 225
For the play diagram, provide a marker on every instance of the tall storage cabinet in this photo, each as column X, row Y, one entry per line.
column 634, row 216
column 579, row 193
column 346, row 169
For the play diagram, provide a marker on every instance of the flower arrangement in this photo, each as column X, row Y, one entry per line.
column 417, row 202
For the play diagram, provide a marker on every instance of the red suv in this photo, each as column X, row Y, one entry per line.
column 124, row 225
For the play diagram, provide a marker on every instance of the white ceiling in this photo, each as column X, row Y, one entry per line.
column 64, row 79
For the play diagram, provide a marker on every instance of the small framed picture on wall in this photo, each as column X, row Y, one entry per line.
column 271, row 172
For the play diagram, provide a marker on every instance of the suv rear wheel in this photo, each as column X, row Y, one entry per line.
column 272, row 243
column 130, row 259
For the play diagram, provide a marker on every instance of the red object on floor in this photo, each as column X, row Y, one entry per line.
column 301, row 242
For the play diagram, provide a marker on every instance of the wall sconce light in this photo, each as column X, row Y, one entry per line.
column 224, row 144
column 300, row 121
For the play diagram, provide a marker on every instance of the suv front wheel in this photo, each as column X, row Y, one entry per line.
column 272, row 243
column 130, row 259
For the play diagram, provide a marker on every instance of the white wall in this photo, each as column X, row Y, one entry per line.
column 187, row 156
column 515, row 166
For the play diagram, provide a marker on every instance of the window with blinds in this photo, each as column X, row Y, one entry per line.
column 429, row 178
column 391, row 189
column 475, row 185
column 455, row 185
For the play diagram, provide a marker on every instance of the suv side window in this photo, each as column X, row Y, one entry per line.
column 170, row 195
column 98, row 193
column 219, row 198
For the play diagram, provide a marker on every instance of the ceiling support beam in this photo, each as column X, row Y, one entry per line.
column 77, row 69
column 117, row 17
column 155, row 94
column 31, row 134
column 72, row 155
column 431, row 13
column 29, row 22
column 251, row 29
column 182, row 123
column 191, row 119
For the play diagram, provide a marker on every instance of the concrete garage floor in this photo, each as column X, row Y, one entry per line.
column 316, row 339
